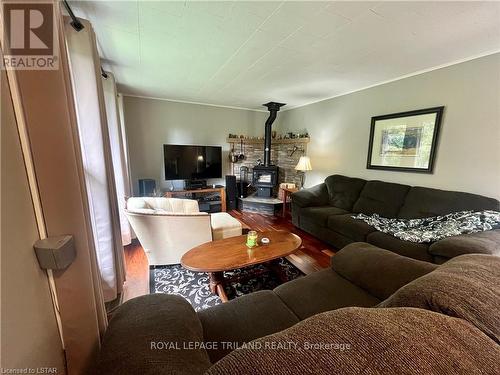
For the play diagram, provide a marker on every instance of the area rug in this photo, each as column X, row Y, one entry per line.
column 193, row 286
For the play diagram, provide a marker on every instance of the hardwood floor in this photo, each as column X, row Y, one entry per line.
column 137, row 268
column 313, row 255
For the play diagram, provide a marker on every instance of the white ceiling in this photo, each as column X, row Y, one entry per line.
column 245, row 53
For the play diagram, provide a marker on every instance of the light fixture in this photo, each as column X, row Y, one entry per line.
column 303, row 165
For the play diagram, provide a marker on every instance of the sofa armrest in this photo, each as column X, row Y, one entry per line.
column 150, row 335
column 487, row 242
column 380, row 272
column 314, row 196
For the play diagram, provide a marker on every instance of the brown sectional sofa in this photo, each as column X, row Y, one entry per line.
column 399, row 315
column 326, row 210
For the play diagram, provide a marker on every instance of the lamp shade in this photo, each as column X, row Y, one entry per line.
column 304, row 164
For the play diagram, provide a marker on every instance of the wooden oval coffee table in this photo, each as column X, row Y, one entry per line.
column 224, row 255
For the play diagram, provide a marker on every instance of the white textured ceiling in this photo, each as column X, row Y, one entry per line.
column 245, row 53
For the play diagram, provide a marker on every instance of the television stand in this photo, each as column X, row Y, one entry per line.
column 194, row 192
column 196, row 184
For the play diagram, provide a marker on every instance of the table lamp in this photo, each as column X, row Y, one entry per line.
column 303, row 165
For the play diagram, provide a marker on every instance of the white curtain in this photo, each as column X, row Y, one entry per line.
column 118, row 155
column 128, row 185
column 97, row 157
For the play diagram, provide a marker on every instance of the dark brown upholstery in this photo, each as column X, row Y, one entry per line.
column 388, row 200
column 325, row 234
column 320, row 215
column 466, row 287
column 381, row 341
column 426, row 202
column 244, row 319
column 129, row 344
column 482, row 242
column 382, row 198
column 355, row 229
column 460, row 336
column 343, row 191
column 315, row 196
column 322, row 291
column 413, row 250
column 380, row 272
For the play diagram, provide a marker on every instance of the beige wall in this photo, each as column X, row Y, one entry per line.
column 468, row 154
column 29, row 334
column 151, row 123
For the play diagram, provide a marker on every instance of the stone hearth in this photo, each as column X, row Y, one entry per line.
column 266, row 206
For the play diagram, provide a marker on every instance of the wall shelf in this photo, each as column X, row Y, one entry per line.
column 273, row 141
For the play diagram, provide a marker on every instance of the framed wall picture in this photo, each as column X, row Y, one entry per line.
column 405, row 141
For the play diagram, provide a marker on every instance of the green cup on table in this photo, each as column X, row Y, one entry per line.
column 251, row 239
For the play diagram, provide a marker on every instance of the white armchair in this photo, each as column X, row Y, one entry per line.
column 169, row 227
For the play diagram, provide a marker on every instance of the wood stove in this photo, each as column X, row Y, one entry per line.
column 265, row 177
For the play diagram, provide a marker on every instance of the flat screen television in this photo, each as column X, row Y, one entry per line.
column 183, row 162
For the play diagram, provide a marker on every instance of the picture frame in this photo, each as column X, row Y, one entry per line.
column 405, row 141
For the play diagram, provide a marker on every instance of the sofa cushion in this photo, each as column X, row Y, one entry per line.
column 426, row 202
column 368, row 341
column 343, row 191
column 487, row 242
column 136, row 339
column 383, row 198
column 325, row 234
column 349, row 227
column 322, row 291
column 244, row 319
column 380, row 272
column 313, row 196
column 413, row 250
column 465, row 287
column 319, row 215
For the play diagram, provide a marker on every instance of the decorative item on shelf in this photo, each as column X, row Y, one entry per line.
column 295, row 149
column 273, row 134
column 303, row 165
column 404, row 141
column 287, row 138
column 251, row 239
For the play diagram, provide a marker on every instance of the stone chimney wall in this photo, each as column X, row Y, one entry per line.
column 280, row 156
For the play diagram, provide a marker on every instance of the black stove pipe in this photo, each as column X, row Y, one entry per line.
column 273, row 108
